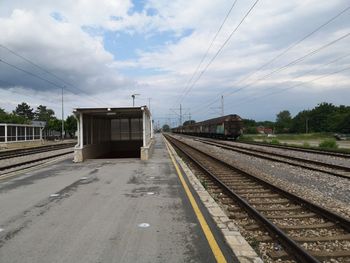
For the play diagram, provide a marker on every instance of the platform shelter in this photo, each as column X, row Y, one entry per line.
column 113, row 133
column 12, row 134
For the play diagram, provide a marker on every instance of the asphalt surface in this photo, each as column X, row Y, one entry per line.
column 121, row 210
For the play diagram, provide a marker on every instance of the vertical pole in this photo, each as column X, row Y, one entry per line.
column 5, row 133
column 25, row 133
column 180, row 115
column 222, row 105
column 62, row 131
column 152, row 135
column 91, row 120
column 16, row 133
column 144, row 127
column 81, row 135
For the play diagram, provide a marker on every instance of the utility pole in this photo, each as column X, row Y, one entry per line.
column 62, row 131
column 222, row 105
column 180, row 115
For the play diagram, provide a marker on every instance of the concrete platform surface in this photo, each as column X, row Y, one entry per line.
column 103, row 210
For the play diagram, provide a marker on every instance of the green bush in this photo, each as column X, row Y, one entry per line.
column 329, row 143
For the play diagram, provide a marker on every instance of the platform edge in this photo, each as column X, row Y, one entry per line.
column 239, row 246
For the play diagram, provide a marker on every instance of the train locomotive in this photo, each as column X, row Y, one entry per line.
column 225, row 127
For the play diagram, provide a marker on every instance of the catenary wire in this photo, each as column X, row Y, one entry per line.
column 221, row 48
column 35, row 76
column 283, row 67
column 48, row 72
column 208, row 49
column 284, row 51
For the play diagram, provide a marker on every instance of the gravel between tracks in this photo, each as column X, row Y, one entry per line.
column 309, row 156
column 325, row 190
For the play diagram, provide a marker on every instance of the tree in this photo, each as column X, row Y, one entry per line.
column 322, row 117
column 250, row 126
column 42, row 113
column 54, row 124
column 344, row 125
column 11, row 118
column 283, row 121
column 166, row 128
column 70, row 126
column 24, row 110
column 300, row 123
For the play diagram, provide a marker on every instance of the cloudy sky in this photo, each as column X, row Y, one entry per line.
column 103, row 51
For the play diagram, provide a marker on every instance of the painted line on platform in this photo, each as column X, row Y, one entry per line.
column 219, row 256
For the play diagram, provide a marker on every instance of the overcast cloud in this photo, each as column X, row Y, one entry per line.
column 107, row 50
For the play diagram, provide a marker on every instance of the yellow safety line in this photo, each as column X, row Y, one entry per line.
column 205, row 227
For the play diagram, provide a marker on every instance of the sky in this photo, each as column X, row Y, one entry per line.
column 103, row 51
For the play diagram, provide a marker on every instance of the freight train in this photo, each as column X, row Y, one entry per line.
column 225, row 127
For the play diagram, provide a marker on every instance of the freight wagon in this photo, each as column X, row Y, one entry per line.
column 225, row 127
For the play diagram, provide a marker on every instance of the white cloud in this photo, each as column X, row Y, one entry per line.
column 63, row 46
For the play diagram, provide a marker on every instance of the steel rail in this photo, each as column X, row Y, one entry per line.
column 291, row 246
column 300, row 149
column 255, row 152
column 33, row 150
column 10, row 166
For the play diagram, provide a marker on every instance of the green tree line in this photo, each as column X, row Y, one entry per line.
column 25, row 114
column 325, row 117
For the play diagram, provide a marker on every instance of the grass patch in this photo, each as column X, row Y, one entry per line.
column 245, row 138
column 306, row 145
column 275, row 141
column 328, row 144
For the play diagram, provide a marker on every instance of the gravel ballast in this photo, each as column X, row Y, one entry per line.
column 323, row 189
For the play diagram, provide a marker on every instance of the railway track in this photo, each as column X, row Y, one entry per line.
column 15, row 167
column 291, row 227
column 33, row 150
column 300, row 149
column 332, row 169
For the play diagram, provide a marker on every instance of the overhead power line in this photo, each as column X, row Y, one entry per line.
column 35, row 75
column 208, row 49
column 50, row 73
column 220, row 49
column 10, row 84
column 302, row 75
column 292, row 63
column 295, row 86
column 308, row 35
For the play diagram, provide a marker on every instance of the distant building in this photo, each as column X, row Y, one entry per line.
column 264, row 130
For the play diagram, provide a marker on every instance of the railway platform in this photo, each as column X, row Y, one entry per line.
column 107, row 210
